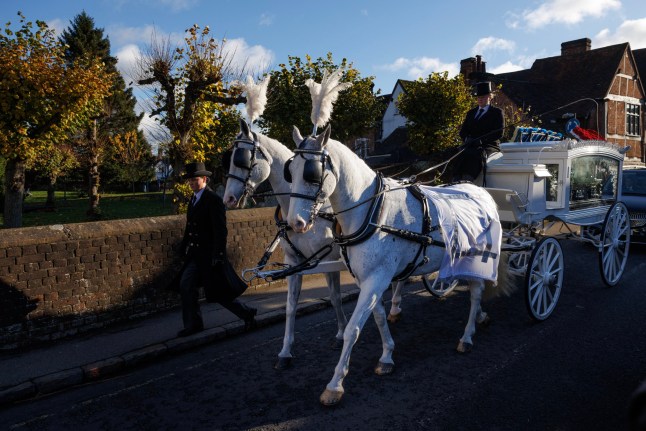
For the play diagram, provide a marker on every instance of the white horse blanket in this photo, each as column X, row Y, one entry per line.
column 471, row 231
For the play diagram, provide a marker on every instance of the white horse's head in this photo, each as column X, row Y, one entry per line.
column 313, row 179
column 249, row 166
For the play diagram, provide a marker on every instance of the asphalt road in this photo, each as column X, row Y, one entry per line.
column 575, row 371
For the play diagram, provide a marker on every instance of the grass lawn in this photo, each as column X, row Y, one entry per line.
column 70, row 208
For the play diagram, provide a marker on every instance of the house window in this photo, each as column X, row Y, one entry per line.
column 632, row 119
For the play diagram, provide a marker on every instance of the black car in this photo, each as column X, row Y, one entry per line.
column 633, row 193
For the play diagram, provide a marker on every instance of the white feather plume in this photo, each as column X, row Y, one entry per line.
column 256, row 97
column 324, row 95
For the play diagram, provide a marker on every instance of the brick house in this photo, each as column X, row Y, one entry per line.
column 602, row 88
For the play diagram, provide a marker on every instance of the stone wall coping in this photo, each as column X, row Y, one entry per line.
column 88, row 230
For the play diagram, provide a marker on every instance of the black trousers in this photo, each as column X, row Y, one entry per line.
column 470, row 163
column 189, row 285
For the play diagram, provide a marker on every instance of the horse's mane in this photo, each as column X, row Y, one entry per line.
column 279, row 147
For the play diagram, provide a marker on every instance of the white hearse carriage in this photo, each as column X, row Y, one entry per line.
column 550, row 190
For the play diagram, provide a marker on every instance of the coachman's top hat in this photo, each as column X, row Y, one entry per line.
column 483, row 88
column 196, row 169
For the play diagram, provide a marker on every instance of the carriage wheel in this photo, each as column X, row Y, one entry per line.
column 544, row 278
column 437, row 288
column 615, row 241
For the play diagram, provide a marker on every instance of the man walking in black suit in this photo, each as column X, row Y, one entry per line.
column 481, row 131
column 204, row 248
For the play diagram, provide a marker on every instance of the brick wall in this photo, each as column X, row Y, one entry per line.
column 60, row 280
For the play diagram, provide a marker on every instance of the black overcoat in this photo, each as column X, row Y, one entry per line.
column 488, row 129
column 205, row 242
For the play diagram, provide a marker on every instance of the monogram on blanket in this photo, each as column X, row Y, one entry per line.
column 471, row 231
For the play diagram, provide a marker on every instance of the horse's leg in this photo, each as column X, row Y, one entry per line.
column 395, row 311
column 294, row 283
column 386, row 364
column 334, row 284
column 370, row 294
column 475, row 313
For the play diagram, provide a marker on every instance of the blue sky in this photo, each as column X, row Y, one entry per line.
column 389, row 40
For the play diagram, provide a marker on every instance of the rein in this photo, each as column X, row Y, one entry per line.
column 307, row 262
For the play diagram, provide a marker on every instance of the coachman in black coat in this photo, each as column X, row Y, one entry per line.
column 480, row 133
column 204, row 248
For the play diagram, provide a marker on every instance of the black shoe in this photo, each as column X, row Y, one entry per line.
column 250, row 319
column 190, row 331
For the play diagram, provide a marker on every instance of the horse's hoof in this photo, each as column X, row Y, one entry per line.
column 394, row 318
column 485, row 321
column 283, row 363
column 330, row 398
column 337, row 344
column 464, row 347
column 383, row 369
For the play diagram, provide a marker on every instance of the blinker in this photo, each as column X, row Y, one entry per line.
column 242, row 158
column 312, row 171
column 286, row 173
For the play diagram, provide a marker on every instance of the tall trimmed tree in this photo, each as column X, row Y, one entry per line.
column 84, row 42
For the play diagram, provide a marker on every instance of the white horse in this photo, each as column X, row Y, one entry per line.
column 257, row 158
column 389, row 244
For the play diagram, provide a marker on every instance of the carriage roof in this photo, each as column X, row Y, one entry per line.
column 574, row 180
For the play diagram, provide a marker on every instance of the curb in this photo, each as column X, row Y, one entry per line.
column 59, row 380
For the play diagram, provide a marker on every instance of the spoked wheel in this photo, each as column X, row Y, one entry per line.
column 544, row 278
column 437, row 288
column 614, row 244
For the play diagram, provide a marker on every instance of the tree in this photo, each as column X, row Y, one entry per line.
column 133, row 154
column 355, row 112
column 54, row 163
column 86, row 43
column 43, row 100
column 191, row 96
column 434, row 109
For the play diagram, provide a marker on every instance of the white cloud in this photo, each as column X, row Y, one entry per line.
column 58, row 25
column 566, row 12
column 632, row 31
column 420, row 67
column 154, row 132
column 120, row 36
column 491, row 43
column 127, row 61
column 255, row 59
column 266, row 19
column 508, row 66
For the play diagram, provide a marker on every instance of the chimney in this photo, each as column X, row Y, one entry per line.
column 575, row 47
column 473, row 69
column 467, row 66
column 481, row 66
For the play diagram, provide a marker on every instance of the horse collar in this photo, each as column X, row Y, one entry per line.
column 369, row 225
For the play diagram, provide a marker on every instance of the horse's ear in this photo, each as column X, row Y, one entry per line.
column 296, row 135
column 244, row 128
column 324, row 137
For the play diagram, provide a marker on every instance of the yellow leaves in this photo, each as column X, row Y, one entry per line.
column 42, row 98
column 128, row 149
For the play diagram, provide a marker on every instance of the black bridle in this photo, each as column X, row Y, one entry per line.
column 313, row 173
column 245, row 158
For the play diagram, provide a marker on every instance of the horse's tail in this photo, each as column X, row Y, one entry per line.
column 504, row 285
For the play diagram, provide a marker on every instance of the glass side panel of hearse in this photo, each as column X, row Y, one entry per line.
column 593, row 180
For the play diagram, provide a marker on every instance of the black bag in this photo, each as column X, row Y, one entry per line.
column 226, row 285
